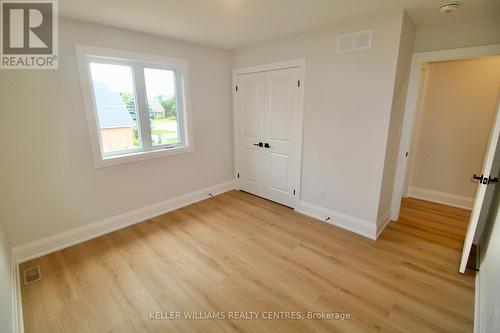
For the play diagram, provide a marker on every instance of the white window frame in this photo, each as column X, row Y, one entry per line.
column 137, row 61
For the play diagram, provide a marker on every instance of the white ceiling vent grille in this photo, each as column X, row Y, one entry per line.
column 355, row 41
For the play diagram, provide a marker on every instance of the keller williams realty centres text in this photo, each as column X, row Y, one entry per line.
column 249, row 315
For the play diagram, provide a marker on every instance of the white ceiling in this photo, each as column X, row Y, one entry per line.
column 232, row 24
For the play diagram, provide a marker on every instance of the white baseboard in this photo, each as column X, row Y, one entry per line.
column 74, row 236
column 383, row 221
column 479, row 297
column 344, row 221
column 17, row 305
column 448, row 199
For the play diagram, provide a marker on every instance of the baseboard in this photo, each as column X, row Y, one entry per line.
column 344, row 221
column 17, row 305
column 448, row 199
column 479, row 297
column 383, row 221
column 74, row 236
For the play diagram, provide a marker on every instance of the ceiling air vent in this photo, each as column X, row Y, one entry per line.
column 450, row 6
column 355, row 41
column 31, row 275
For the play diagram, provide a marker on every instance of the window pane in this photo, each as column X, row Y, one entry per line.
column 115, row 105
column 162, row 106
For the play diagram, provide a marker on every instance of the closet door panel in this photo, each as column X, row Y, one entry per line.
column 250, row 101
column 280, row 122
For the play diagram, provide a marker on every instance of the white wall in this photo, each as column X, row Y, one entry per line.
column 451, row 34
column 489, row 265
column 458, row 104
column 491, row 271
column 397, row 115
column 49, row 183
column 6, row 284
column 348, row 101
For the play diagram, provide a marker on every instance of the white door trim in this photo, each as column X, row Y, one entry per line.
column 296, row 63
column 411, row 108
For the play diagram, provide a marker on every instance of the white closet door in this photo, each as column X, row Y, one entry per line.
column 268, row 118
column 250, row 104
column 280, row 131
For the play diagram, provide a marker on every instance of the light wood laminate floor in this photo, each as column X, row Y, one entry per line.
column 237, row 252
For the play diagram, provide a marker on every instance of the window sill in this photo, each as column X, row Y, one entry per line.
column 101, row 162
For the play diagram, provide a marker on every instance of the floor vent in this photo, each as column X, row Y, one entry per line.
column 31, row 275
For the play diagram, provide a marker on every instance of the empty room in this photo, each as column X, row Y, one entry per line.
column 249, row 166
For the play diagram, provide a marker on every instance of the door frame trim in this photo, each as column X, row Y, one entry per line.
column 295, row 63
column 416, row 80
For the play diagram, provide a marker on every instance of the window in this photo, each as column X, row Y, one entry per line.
column 136, row 105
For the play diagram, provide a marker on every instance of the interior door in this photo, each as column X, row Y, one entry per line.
column 250, row 104
column 485, row 179
column 280, row 132
column 268, row 119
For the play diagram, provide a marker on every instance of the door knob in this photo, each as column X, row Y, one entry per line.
column 480, row 178
column 483, row 180
column 260, row 144
column 492, row 180
column 267, row 145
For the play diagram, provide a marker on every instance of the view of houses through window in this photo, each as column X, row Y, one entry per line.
column 162, row 105
column 117, row 108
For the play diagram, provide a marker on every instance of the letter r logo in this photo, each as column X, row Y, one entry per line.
column 27, row 27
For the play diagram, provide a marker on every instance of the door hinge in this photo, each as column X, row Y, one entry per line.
column 406, row 154
column 298, row 83
column 236, row 88
column 293, row 192
column 238, row 175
